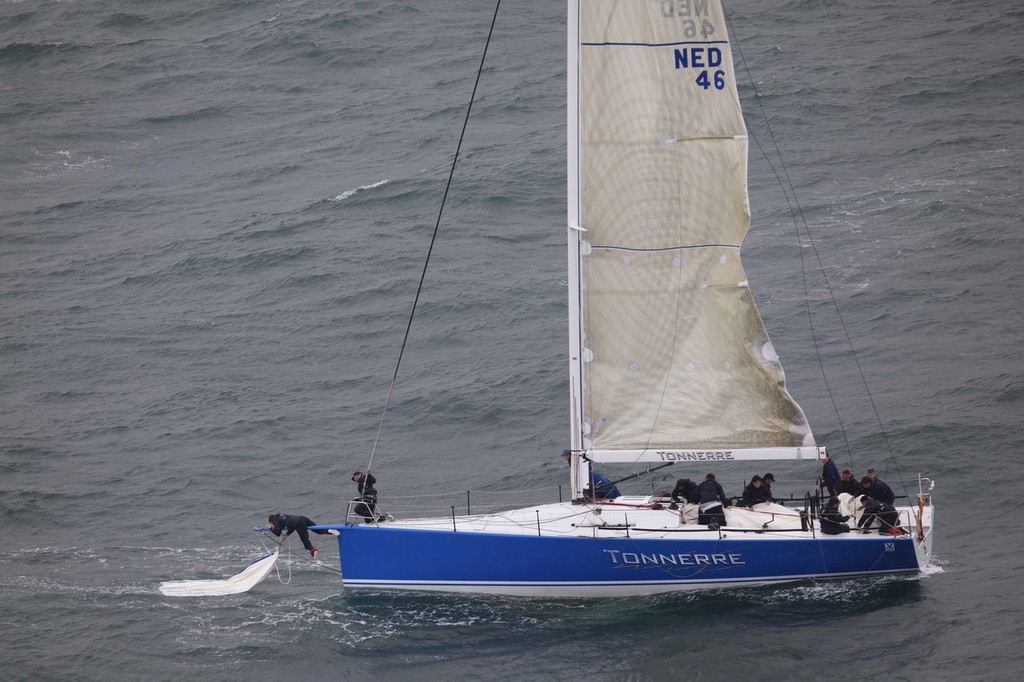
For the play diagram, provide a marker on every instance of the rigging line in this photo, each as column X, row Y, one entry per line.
column 787, row 190
column 851, row 87
column 433, row 238
column 283, row 544
column 800, row 218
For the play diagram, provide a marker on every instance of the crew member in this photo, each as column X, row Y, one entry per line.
column 367, row 496
column 712, row 502
column 603, row 489
column 877, row 489
column 283, row 524
column 847, row 484
column 885, row 513
column 684, row 492
column 833, row 522
column 755, row 492
column 829, row 477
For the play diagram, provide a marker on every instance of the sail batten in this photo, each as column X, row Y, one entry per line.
column 671, row 351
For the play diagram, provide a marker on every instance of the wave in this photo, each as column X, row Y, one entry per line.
column 351, row 192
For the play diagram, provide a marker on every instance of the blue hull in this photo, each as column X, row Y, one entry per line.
column 404, row 558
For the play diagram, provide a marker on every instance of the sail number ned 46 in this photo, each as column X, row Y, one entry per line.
column 705, row 59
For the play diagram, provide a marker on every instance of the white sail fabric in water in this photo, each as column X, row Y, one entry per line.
column 675, row 353
column 252, row 575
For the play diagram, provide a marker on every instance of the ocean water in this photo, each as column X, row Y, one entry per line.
column 213, row 220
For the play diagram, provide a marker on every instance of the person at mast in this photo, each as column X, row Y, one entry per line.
column 601, row 488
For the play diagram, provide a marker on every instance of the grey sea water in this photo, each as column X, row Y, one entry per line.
column 213, row 218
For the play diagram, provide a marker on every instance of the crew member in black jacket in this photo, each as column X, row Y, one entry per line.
column 283, row 524
column 848, row 484
column 886, row 514
column 755, row 492
column 367, row 495
column 877, row 490
column 832, row 521
column 685, row 491
column 712, row 501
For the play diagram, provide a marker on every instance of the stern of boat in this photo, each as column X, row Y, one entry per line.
column 923, row 516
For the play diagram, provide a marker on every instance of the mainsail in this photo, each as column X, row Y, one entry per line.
column 671, row 352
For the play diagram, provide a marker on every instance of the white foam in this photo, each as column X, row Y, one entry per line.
column 346, row 194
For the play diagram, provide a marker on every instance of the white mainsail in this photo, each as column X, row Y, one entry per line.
column 669, row 351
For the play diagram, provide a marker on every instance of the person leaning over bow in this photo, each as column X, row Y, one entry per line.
column 283, row 524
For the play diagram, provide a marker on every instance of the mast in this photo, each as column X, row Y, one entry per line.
column 574, row 229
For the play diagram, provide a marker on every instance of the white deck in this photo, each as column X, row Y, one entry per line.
column 635, row 517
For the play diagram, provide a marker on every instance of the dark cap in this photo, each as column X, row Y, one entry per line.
column 709, row 477
column 769, row 477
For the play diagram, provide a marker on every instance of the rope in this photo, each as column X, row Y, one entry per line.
column 286, row 549
column 433, row 237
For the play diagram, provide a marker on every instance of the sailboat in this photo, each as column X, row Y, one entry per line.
column 669, row 360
